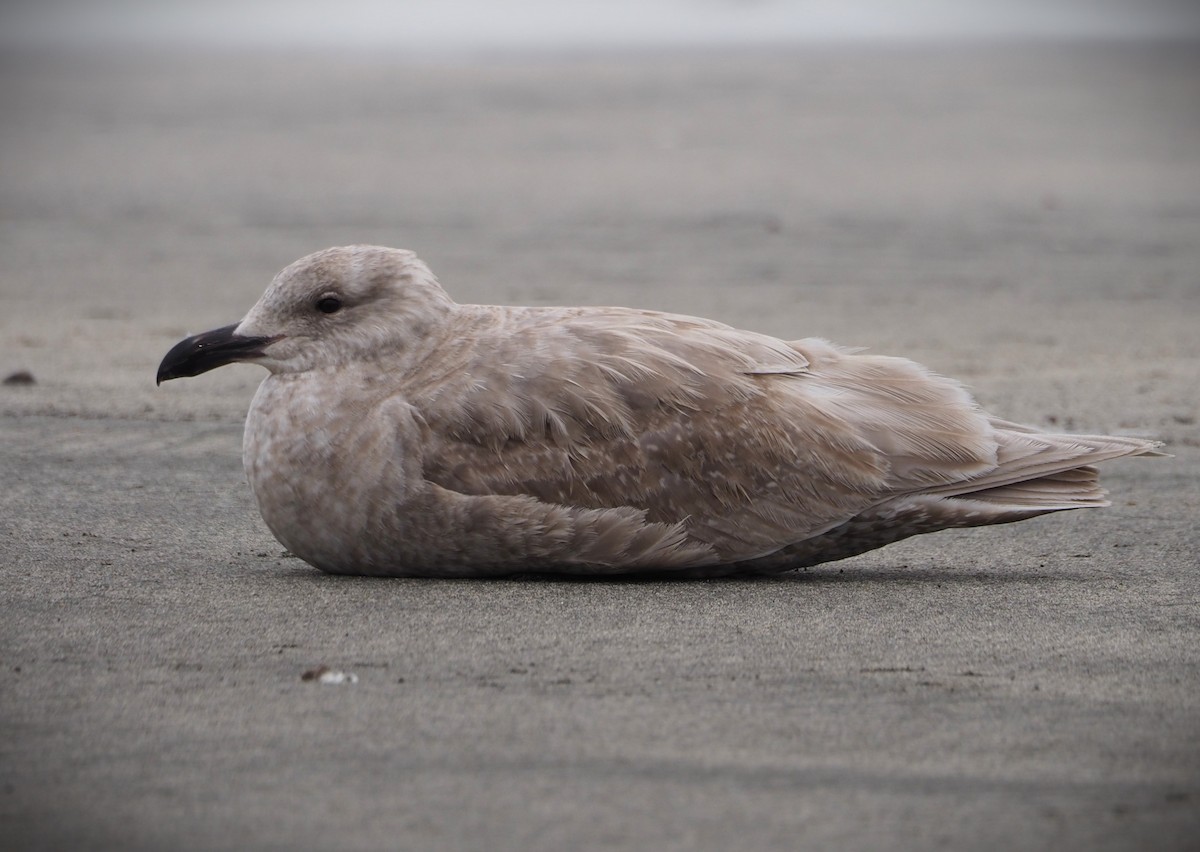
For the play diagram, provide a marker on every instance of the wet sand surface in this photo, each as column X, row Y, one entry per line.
column 1022, row 218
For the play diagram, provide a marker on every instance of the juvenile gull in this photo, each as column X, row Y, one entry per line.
column 400, row 433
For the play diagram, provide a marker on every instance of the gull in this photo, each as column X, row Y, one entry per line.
column 400, row 433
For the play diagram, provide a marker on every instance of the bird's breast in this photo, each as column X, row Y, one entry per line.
column 320, row 465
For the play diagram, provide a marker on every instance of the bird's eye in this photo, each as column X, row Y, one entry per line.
column 329, row 304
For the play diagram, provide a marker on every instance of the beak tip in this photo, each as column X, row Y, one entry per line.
column 203, row 352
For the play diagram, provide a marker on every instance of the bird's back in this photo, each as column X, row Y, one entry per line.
column 753, row 445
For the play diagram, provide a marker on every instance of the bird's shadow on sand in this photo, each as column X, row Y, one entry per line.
column 865, row 575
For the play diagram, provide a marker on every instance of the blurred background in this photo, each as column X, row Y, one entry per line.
column 969, row 183
column 426, row 26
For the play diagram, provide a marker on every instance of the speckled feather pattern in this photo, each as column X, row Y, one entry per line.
column 409, row 435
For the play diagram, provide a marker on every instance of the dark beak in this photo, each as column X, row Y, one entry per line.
column 203, row 352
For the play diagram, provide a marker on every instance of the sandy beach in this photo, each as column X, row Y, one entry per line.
column 1025, row 218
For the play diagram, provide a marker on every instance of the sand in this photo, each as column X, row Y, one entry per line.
column 1023, row 218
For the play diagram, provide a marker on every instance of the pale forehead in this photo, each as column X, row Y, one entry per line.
column 344, row 269
column 349, row 264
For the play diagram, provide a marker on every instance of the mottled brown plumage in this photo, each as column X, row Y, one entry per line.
column 403, row 434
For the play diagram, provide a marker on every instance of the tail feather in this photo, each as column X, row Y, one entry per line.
column 1044, row 472
column 1077, row 488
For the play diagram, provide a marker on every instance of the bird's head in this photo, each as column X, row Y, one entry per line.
column 335, row 306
